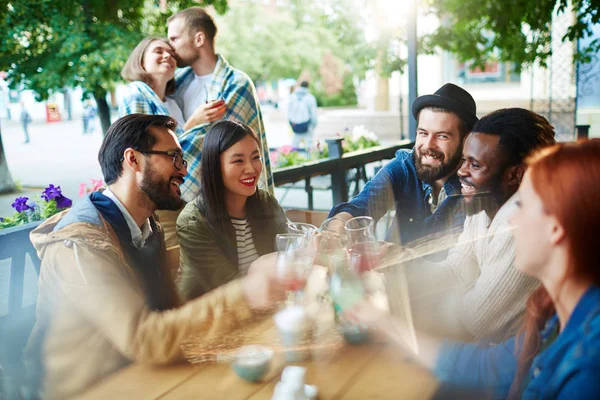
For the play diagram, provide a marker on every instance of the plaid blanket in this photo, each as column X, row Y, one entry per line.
column 141, row 99
column 239, row 93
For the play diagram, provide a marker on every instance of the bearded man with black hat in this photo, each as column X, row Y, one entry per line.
column 421, row 184
column 476, row 293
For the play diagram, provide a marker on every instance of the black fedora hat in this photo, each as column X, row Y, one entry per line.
column 452, row 98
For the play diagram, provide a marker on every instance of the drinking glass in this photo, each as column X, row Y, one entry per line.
column 293, row 263
column 332, row 247
column 308, row 230
column 334, row 224
column 346, row 290
column 362, row 244
column 345, row 287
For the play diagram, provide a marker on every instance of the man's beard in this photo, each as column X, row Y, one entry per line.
column 187, row 61
column 428, row 173
column 181, row 63
column 488, row 197
column 159, row 191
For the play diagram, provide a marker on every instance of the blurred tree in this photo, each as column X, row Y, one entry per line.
column 511, row 31
column 271, row 45
column 265, row 44
column 49, row 45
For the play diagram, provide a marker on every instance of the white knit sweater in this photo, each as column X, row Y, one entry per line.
column 476, row 292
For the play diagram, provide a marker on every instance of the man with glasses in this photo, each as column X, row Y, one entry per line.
column 106, row 296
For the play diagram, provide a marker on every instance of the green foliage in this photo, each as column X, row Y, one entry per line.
column 346, row 97
column 510, row 31
column 291, row 158
column 48, row 45
column 17, row 219
column 42, row 209
column 360, row 143
column 267, row 46
column 271, row 46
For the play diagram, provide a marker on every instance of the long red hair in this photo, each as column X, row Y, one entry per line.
column 566, row 177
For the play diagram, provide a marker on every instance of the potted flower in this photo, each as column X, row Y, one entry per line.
column 31, row 212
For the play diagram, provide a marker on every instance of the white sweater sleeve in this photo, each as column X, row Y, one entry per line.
column 436, row 288
column 501, row 291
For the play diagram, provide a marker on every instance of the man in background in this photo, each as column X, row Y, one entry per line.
column 302, row 115
column 210, row 89
column 25, row 119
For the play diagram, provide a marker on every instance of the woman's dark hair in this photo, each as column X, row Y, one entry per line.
column 221, row 137
column 130, row 131
column 134, row 67
column 565, row 176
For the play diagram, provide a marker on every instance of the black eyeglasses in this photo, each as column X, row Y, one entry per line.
column 178, row 160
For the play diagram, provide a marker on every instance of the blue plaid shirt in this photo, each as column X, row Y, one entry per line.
column 397, row 186
column 568, row 368
column 237, row 89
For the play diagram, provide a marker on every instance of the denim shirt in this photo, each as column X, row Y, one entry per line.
column 568, row 369
column 397, row 186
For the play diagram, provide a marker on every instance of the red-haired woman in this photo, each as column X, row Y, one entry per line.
column 557, row 352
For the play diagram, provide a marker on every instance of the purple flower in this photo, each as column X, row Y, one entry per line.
column 1, row 219
column 63, row 202
column 21, row 205
column 51, row 193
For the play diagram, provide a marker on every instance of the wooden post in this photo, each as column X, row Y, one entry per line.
column 583, row 131
column 309, row 192
column 412, row 67
column 338, row 176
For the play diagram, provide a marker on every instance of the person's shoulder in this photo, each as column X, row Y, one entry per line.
column 404, row 156
column 266, row 197
column 132, row 93
column 402, row 163
column 191, row 215
column 591, row 327
column 238, row 77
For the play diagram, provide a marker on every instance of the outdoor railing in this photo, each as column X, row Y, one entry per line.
column 336, row 165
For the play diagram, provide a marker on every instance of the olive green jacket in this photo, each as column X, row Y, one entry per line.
column 208, row 257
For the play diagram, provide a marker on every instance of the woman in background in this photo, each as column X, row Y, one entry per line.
column 232, row 222
column 150, row 69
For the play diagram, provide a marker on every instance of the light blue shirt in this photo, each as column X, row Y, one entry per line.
column 138, row 236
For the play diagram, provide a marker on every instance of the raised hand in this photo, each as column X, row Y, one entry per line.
column 205, row 113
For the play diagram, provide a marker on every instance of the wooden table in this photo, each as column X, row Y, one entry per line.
column 369, row 371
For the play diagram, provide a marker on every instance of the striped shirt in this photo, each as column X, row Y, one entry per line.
column 245, row 244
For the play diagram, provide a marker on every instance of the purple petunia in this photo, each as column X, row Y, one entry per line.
column 21, row 205
column 1, row 219
column 54, row 193
column 51, row 193
column 63, row 202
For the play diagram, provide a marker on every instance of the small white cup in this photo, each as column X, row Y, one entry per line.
column 296, row 330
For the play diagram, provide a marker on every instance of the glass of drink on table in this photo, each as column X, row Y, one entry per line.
column 362, row 244
column 293, row 262
column 332, row 245
column 308, row 230
column 334, row 224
